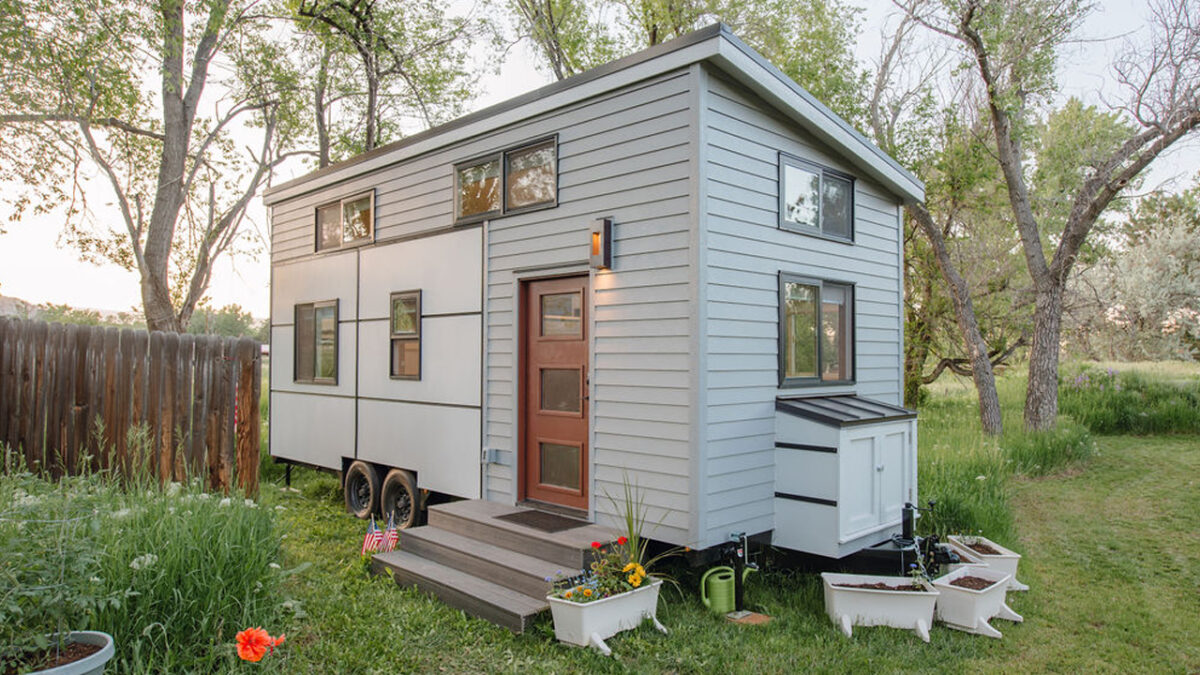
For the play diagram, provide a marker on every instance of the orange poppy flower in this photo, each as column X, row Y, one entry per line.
column 254, row 643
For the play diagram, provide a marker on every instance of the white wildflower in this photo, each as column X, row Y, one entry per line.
column 225, row 502
column 981, row 477
column 123, row 513
column 173, row 489
column 251, row 504
column 274, row 566
column 95, row 580
column 170, row 509
column 203, row 495
column 144, row 561
column 280, row 507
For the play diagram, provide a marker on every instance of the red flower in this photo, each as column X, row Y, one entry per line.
column 621, row 541
column 595, row 544
column 253, row 643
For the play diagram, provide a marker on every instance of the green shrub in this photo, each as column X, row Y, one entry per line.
column 1111, row 402
column 172, row 573
column 1037, row 453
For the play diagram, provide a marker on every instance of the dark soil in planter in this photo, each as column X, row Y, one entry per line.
column 880, row 586
column 982, row 548
column 973, row 583
column 52, row 658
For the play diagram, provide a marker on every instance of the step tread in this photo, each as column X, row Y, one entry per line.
column 463, row 586
column 515, row 560
column 485, row 512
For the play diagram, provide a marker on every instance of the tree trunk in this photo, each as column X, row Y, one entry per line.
column 964, row 311
column 1041, row 401
column 916, row 345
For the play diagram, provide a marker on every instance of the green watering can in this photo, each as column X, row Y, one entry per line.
column 717, row 588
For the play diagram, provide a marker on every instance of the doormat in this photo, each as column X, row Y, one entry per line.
column 540, row 520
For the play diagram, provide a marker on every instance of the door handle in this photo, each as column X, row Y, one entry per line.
column 879, row 467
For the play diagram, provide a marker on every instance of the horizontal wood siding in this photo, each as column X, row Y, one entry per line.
column 745, row 252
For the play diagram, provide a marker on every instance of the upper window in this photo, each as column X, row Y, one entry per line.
column 346, row 222
column 814, row 199
column 406, row 335
column 317, row 342
column 816, row 331
column 509, row 181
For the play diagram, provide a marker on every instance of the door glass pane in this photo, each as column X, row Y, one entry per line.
column 326, row 322
column 479, row 188
column 801, row 196
column 531, row 176
column 561, row 389
column 329, row 226
column 835, row 205
column 800, row 321
column 406, row 357
column 306, row 341
column 405, row 318
column 356, row 219
column 835, row 330
column 562, row 314
column 560, row 465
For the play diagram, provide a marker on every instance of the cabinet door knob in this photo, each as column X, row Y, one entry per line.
column 879, row 467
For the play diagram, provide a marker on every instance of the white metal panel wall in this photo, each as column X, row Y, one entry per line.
column 316, row 430
column 283, row 364
column 745, row 251
column 450, row 366
column 447, row 268
column 328, row 277
column 432, row 440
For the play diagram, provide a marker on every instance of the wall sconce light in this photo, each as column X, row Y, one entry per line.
column 601, row 257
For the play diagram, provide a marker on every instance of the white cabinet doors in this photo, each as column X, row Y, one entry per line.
column 875, row 477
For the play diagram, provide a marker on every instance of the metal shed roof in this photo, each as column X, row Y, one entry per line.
column 842, row 411
column 715, row 44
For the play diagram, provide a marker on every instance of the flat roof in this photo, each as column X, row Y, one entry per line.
column 842, row 410
column 716, row 44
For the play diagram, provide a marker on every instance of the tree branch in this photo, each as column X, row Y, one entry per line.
column 108, row 122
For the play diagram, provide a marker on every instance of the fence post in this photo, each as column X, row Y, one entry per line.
column 246, row 414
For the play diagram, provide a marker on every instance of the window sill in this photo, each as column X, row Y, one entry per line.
column 346, row 247
column 796, row 383
column 493, row 215
column 325, row 382
column 818, row 234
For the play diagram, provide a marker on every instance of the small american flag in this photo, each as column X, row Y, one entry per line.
column 391, row 536
column 372, row 539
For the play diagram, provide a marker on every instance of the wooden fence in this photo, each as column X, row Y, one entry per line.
column 186, row 405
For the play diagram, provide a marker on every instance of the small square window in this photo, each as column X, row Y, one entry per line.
column 346, row 222
column 815, row 200
column 816, row 332
column 478, row 189
column 405, row 335
column 530, row 176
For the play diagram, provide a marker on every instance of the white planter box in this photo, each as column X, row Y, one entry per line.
column 969, row 558
column 969, row 610
column 849, row 607
column 591, row 623
column 1005, row 562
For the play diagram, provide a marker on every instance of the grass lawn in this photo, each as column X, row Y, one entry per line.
column 1112, row 553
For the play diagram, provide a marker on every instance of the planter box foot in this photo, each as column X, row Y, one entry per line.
column 846, row 625
column 596, row 641
column 1007, row 614
column 660, row 627
column 922, row 629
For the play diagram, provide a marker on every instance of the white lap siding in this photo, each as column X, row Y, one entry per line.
column 745, row 251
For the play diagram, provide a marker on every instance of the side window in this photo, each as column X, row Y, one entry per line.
column 815, row 200
column 405, row 335
column 316, row 333
column 346, row 222
column 816, row 332
column 512, row 180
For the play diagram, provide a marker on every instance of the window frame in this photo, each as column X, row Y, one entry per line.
column 337, row 342
column 502, row 156
column 786, row 382
column 786, row 160
column 370, row 238
column 393, row 336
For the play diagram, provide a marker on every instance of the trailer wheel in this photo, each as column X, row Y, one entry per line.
column 361, row 487
column 400, row 497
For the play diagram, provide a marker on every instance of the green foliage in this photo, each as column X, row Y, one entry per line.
column 1111, row 402
column 171, row 572
column 229, row 321
column 86, row 317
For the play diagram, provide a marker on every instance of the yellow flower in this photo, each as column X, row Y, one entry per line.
column 587, row 592
column 635, row 580
column 567, row 594
column 629, row 567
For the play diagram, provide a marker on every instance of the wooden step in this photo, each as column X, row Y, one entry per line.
column 477, row 519
column 477, row 597
column 510, row 569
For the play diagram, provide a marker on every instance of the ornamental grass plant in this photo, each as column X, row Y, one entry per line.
column 171, row 571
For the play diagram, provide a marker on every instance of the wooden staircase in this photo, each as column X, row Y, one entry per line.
column 487, row 567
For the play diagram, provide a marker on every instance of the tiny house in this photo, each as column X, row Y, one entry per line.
column 678, row 269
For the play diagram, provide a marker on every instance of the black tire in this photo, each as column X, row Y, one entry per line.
column 401, row 496
column 361, row 489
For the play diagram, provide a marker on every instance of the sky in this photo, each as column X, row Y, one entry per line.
column 36, row 266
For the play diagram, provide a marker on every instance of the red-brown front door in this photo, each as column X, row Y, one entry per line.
column 554, row 391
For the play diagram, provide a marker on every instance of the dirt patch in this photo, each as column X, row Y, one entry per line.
column 973, row 583
column 880, row 586
column 52, row 658
column 983, row 549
